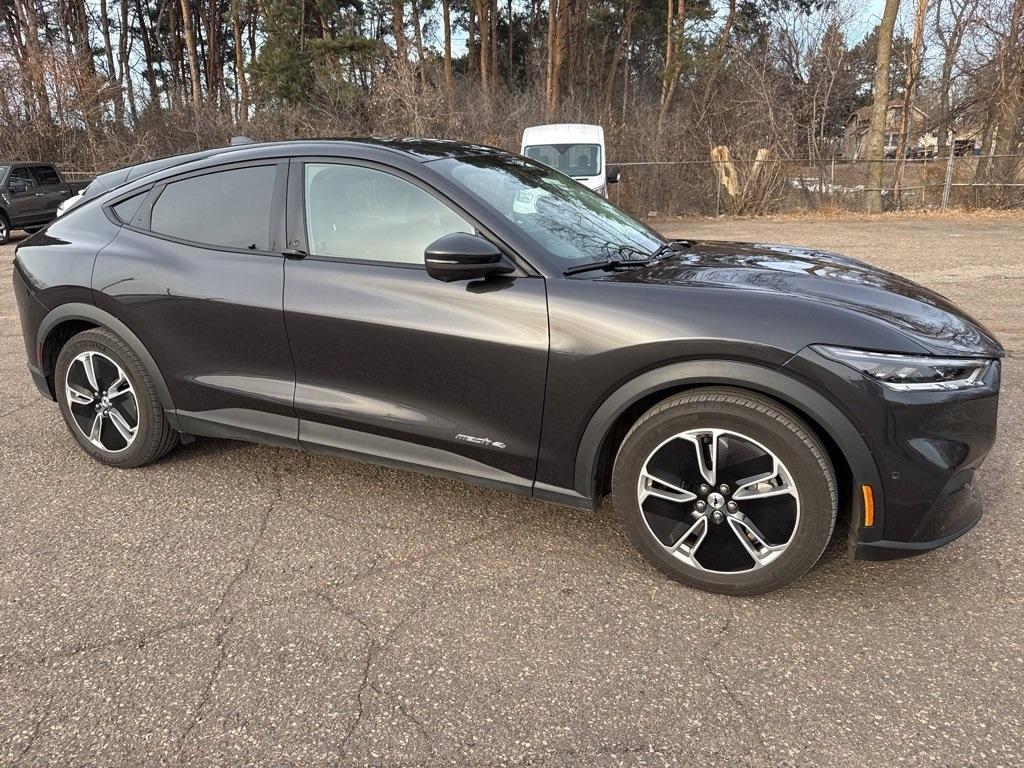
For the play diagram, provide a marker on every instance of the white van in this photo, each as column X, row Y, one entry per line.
column 575, row 149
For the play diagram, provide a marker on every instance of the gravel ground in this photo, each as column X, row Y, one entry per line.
column 239, row 604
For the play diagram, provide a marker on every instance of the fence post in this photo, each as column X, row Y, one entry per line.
column 718, row 192
column 949, row 179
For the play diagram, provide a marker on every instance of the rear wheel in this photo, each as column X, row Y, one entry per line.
column 725, row 490
column 109, row 402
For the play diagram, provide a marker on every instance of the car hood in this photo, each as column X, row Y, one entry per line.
column 846, row 284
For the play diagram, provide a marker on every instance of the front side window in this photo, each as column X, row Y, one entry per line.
column 571, row 159
column 225, row 209
column 561, row 216
column 354, row 212
column 22, row 176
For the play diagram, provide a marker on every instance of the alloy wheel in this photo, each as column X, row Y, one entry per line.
column 102, row 401
column 718, row 501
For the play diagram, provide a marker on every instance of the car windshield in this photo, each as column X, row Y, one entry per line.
column 571, row 159
column 563, row 217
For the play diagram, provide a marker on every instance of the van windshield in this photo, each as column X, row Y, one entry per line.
column 560, row 215
column 575, row 160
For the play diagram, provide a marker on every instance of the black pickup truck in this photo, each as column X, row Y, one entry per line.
column 29, row 195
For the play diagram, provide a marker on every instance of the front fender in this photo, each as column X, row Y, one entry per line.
column 798, row 396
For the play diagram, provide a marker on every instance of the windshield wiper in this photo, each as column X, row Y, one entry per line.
column 605, row 264
column 666, row 247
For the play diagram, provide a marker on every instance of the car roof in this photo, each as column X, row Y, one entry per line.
column 564, row 133
column 420, row 149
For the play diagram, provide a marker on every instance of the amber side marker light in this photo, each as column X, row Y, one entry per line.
column 869, row 505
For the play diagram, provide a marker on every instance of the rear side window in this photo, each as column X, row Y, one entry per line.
column 228, row 209
column 45, row 175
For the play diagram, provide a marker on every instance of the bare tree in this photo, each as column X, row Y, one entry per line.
column 675, row 40
column 875, row 145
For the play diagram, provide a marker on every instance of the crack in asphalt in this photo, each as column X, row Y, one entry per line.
column 377, row 649
column 37, row 726
column 220, row 639
column 22, row 407
column 723, row 684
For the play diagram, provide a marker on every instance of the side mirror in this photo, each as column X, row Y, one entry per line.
column 18, row 185
column 460, row 256
column 612, row 175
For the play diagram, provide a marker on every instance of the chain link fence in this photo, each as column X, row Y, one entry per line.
column 759, row 187
column 743, row 187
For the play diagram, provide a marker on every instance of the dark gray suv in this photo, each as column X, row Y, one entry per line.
column 458, row 310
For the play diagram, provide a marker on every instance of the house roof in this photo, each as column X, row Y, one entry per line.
column 864, row 113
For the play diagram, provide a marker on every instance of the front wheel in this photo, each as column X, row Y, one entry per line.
column 5, row 229
column 725, row 490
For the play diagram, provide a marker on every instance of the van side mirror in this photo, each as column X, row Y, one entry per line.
column 461, row 256
column 612, row 175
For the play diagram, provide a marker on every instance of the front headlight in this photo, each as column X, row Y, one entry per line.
column 907, row 373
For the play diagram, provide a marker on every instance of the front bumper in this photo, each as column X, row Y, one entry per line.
column 926, row 447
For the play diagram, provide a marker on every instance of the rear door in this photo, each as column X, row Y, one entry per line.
column 197, row 273
column 392, row 364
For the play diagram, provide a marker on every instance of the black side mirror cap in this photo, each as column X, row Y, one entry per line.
column 461, row 256
column 612, row 174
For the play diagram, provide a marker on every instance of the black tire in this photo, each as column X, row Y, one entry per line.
column 5, row 229
column 772, row 426
column 154, row 438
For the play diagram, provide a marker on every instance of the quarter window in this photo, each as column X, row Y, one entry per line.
column 126, row 209
column 227, row 209
column 354, row 212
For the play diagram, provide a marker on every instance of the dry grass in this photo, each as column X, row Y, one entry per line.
column 838, row 214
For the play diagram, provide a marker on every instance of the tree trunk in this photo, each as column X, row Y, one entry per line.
column 628, row 13
column 874, row 151
column 117, row 99
column 190, row 46
column 398, row 27
column 449, row 89
column 674, row 41
column 242, row 108
column 419, row 43
column 483, row 8
column 906, row 115
column 558, row 19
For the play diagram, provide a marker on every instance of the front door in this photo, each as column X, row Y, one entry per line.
column 26, row 201
column 391, row 364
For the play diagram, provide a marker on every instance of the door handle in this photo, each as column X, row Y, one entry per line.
column 293, row 253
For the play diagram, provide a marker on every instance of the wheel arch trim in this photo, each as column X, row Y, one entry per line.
column 755, row 378
column 92, row 314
